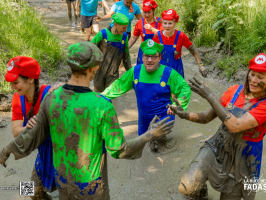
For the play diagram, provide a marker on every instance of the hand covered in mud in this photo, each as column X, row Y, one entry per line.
column 177, row 109
column 200, row 88
column 3, row 157
column 32, row 122
column 203, row 71
column 160, row 128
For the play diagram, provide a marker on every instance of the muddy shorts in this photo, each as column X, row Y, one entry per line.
column 88, row 21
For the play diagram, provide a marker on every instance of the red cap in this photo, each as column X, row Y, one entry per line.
column 170, row 14
column 258, row 63
column 148, row 5
column 22, row 65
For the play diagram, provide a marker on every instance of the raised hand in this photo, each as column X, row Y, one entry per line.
column 203, row 71
column 177, row 109
column 198, row 87
column 160, row 128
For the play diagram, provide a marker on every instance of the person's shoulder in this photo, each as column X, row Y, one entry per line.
column 233, row 88
column 102, row 100
column 135, row 5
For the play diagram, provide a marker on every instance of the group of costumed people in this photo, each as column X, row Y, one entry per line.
column 75, row 127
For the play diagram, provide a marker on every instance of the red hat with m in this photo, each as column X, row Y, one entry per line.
column 258, row 63
column 148, row 5
column 170, row 14
column 24, row 66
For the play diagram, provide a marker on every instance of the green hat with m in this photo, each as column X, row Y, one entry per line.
column 149, row 47
column 120, row 19
column 84, row 55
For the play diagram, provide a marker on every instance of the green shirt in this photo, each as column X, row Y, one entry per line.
column 81, row 124
column 110, row 37
column 178, row 86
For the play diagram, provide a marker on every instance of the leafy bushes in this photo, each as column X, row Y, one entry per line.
column 23, row 33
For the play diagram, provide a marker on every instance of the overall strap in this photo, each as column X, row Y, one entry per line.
column 45, row 91
column 143, row 26
column 137, row 69
column 104, row 34
column 236, row 95
column 256, row 104
column 23, row 106
column 106, row 98
column 124, row 38
column 166, row 74
column 176, row 38
column 157, row 20
column 160, row 37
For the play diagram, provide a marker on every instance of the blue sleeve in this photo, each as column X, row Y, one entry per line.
column 114, row 7
column 137, row 9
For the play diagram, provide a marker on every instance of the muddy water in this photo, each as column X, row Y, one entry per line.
column 155, row 176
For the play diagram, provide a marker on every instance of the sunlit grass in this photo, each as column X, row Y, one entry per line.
column 23, row 33
column 239, row 25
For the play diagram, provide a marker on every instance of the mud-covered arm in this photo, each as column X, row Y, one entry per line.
column 135, row 146
column 195, row 53
column 133, row 40
column 201, row 117
column 29, row 139
column 179, row 88
column 126, row 57
column 121, row 85
column 234, row 124
column 97, row 38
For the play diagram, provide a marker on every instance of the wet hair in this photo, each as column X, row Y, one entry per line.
column 35, row 97
column 246, row 85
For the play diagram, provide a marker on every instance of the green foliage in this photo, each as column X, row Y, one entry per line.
column 23, row 33
column 239, row 25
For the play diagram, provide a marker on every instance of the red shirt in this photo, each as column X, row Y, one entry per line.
column 16, row 105
column 183, row 40
column 138, row 31
column 255, row 134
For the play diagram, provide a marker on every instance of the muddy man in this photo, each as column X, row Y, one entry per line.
column 113, row 42
column 83, row 126
column 233, row 155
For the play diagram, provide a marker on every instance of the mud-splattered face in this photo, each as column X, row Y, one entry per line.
column 257, row 83
column 151, row 62
column 168, row 25
column 148, row 15
column 23, row 86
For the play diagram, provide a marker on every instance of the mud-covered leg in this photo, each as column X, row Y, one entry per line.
column 39, row 192
column 193, row 182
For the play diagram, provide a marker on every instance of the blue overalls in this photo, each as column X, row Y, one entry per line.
column 145, row 37
column 44, row 160
column 168, row 55
column 152, row 98
column 253, row 151
column 119, row 45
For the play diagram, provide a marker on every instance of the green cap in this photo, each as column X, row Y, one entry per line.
column 83, row 55
column 149, row 47
column 120, row 19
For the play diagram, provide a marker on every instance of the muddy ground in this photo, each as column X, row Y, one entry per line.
column 155, row 176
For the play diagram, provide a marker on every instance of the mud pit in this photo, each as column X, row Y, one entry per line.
column 155, row 176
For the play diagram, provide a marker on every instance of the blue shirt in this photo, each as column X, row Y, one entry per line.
column 119, row 7
column 89, row 7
